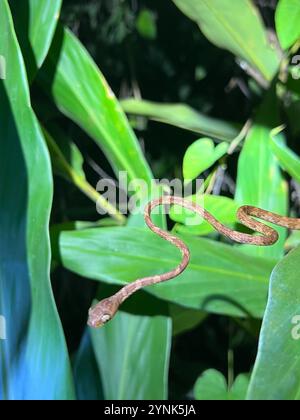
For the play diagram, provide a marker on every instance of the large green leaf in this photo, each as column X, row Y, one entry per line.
column 288, row 22
column 288, row 159
column 35, row 22
column 182, row 116
column 34, row 362
column 145, row 334
column 277, row 371
column 235, row 26
column 219, row 279
column 86, row 375
column 81, row 92
column 260, row 181
column 134, row 371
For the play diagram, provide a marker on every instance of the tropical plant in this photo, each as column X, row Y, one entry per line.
column 61, row 125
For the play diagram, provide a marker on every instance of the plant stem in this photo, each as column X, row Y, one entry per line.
column 66, row 170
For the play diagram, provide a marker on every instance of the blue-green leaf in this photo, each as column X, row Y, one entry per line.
column 86, row 374
column 277, row 370
column 34, row 362
column 134, row 371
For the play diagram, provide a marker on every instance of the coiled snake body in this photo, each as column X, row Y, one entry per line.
column 105, row 310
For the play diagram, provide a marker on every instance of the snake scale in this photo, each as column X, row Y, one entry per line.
column 105, row 310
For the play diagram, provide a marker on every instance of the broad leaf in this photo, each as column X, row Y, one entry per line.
column 219, row 279
column 86, row 375
column 288, row 160
column 200, row 156
column 288, row 22
column 277, row 371
column 35, row 22
column 107, row 345
column 260, row 181
column 235, row 26
column 182, row 116
column 81, row 92
column 34, row 362
column 132, row 352
column 212, row 386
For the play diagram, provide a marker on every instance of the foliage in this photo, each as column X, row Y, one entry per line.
column 188, row 104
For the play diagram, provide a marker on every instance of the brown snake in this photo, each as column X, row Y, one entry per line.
column 105, row 310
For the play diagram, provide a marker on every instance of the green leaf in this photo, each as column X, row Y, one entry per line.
column 67, row 159
column 182, row 116
column 35, row 22
column 277, row 370
column 237, row 27
column 239, row 389
column 212, row 386
column 34, row 362
column 140, row 360
column 219, row 279
column 133, row 376
column 287, row 20
column 260, row 181
column 86, row 375
column 185, row 319
column 293, row 240
column 67, row 162
column 81, row 93
column 146, row 24
column 200, row 156
column 288, row 160
column 223, row 208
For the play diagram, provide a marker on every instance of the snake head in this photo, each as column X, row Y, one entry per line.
column 103, row 312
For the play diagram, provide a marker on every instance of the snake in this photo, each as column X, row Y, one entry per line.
column 106, row 309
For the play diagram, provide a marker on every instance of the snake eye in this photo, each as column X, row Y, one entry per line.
column 105, row 318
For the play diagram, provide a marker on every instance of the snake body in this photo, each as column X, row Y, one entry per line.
column 106, row 309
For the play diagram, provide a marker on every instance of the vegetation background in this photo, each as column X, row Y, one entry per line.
column 236, row 83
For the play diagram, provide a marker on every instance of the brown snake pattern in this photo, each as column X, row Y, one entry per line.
column 105, row 310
